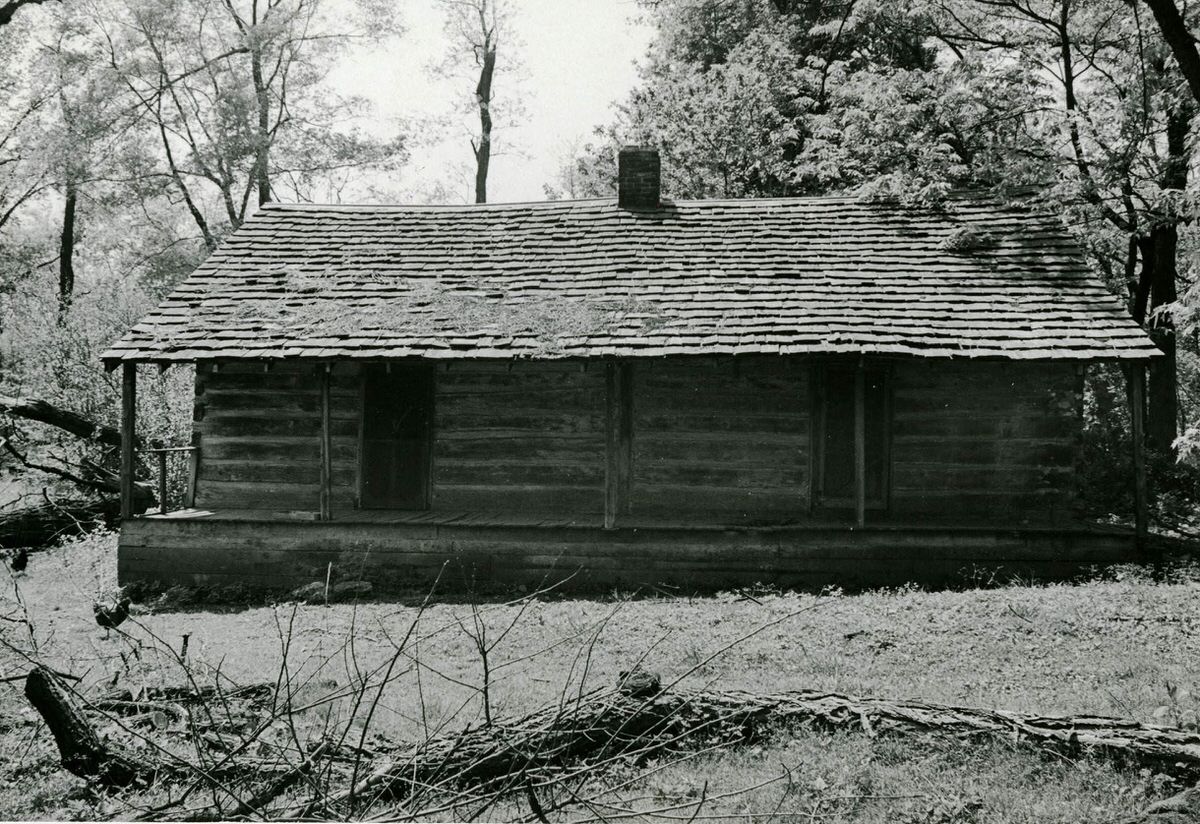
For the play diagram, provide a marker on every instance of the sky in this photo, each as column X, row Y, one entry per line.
column 578, row 60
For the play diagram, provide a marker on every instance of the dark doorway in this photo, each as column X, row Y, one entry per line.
column 835, row 442
column 396, row 431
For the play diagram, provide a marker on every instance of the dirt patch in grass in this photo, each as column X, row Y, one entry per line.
column 1126, row 646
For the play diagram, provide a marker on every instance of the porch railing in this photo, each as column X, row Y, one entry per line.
column 161, row 453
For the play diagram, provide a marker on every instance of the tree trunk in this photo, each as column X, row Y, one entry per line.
column 262, row 152
column 66, row 252
column 1162, row 413
column 483, row 95
column 1156, row 285
column 83, row 752
column 1180, row 40
column 1181, row 808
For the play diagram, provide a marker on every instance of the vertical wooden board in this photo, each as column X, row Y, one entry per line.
column 326, row 446
column 618, row 439
column 1137, row 402
column 128, row 436
column 860, row 444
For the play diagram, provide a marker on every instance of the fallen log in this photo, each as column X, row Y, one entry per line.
column 607, row 725
column 43, row 524
column 34, row 409
column 81, row 749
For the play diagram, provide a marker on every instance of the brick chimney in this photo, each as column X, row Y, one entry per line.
column 638, row 178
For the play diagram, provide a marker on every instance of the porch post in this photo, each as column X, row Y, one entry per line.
column 1137, row 409
column 128, row 433
column 326, row 445
column 860, row 444
column 618, row 442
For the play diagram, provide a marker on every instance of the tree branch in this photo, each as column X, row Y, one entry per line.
column 9, row 9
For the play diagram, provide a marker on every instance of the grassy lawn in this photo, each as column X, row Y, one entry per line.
column 1124, row 646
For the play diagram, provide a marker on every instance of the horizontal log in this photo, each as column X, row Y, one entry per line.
column 578, row 449
column 235, row 543
column 580, row 500
column 1012, row 451
column 264, row 472
column 518, row 473
column 917, row 428
column 666, row 401
column 525, row 402
column 450, row 423
column 701, row 421
column 934, row 477
column 245, row 426
column 269, row 366
column 566, row 366
column 274, row 449
column 297, row 399
column 266, row 495
column 722, row 501
column 748, row 479
column 726, row 448
column 946, row 402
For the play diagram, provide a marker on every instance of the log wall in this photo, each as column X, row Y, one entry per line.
column 260, row 436
column 993, row 442
column 721, row 438
column 718, row 440
column 524, row 436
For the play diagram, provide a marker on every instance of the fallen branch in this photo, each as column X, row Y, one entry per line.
column 559, row 743
column 34, row 409
column 42, row 524
column 83, row 752
column 1181, row 808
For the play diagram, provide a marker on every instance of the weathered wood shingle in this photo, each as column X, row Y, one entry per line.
column 975, row 278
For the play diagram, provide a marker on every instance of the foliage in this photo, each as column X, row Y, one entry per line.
column 55, row 356
column 744, row 101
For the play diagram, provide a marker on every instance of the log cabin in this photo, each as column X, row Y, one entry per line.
column 633, row 391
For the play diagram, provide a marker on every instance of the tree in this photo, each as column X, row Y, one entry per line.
column 757, row 98
column 1124, row 125
column 234, row 92
column 476, row 29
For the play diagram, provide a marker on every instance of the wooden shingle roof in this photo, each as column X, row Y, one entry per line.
column 974, row 278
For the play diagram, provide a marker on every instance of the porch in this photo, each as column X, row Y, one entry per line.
column 407, row 551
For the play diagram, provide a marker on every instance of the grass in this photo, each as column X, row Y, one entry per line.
column 1124, row 646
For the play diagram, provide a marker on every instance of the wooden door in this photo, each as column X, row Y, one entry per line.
column 835, row 447
column 397, row 428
